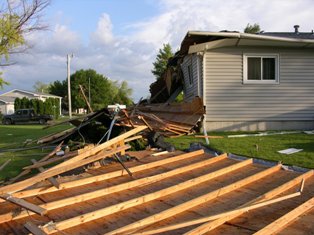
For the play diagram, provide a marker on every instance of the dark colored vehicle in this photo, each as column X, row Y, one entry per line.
column 25, row 116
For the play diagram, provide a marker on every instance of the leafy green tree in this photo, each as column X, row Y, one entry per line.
column 255, row 28
column 41, row 87
column 160, row 64
column 102, row 90
column 18, row 18
column 17, row 103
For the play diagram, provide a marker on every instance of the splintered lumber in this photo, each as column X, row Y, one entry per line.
column 280, row 223
column 280, row 189
column 34, row 229
column 217, row 216
column 74, row 162
column 159, row 153
column 27, row 171
column 4, row 164
column 113, row 189
column 56, row 171
column 24, row 204
column 133, row 138
column 52, row 160
column 142, row 199
column 52, row 180
column 129, row 229
column 88, row 180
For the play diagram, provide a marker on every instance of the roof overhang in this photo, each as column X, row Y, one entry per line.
column 199, row 41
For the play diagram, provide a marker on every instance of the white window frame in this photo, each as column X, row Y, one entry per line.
column 260, row 55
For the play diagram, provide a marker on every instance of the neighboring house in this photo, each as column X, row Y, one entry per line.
column 251, row 82
column 7, row 99
column 6, row 105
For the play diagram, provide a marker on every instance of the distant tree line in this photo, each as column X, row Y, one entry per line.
column 50, row 106
column 101, row 90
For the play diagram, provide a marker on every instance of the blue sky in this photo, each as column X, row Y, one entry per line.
column 120, row 38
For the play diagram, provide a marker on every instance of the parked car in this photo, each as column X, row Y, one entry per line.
column 25, row 116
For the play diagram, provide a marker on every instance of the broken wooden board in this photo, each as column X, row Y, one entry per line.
column 166, row 190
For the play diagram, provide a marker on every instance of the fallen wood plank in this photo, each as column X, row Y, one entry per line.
column 116, row 188
column 209, row 136
column 220, row 215
column 283, row 221
column 56, row 171
column 52, row 180
column 4, row 164
column 52, row 160
column 27, row 171
column 88, row 180
column 71, row 163
column 100, row 147
column 34, row 229
column 24, row 204
column 142, row 199
column 159, row 153
column 133, row 227
column 133, row 138
column 280, row 189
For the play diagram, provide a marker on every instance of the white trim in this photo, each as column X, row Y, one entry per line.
column 261, row 55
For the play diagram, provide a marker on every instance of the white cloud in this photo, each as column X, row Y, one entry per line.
column 130, row 56
column 103, row 34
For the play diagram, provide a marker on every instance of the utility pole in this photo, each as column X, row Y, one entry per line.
column 69, row 84
column 89, row 91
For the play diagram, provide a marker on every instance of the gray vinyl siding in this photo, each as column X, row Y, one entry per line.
column 191, row 90
column 228, row 99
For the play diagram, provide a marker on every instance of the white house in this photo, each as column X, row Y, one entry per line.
column 7, row 99
column 252, row 82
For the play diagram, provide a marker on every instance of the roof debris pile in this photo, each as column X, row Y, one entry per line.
column 172, row 193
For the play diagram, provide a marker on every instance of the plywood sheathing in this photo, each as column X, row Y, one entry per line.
column 223, row 202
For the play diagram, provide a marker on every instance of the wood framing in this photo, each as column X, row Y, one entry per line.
column 129, row 229
column 149, row 197
column 280, row 223
column 88, row 180
column 216, row 223
column 105, row 191
column 52, row 180
column 220, row 215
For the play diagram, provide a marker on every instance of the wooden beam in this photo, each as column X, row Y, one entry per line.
column 53, row 172
column 34, row 229
column 283, row 221
column 27, row 171
column 86, row 101
column 133, row 138
column 217, row 216
column 24, row 204
column 113, row 189
column 4, row 164
column 131, row 228
column 282, row 188
column 52, row 180
column 52, row 160
column 159, row 153
column 209, row 136
column 89, row 180
column 142, row 199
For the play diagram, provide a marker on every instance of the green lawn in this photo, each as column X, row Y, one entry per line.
column 264, row 147
column 13, row 136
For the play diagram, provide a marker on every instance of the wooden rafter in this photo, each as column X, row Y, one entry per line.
column 105, row 191
column 146, row 198
column 129, row 229
column 97, row 178
column 282, row 188
column 280, row 223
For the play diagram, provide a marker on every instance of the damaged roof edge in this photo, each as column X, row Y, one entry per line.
column 222, row 39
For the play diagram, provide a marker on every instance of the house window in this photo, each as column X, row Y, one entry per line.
column 260, row 69
column 190, row 74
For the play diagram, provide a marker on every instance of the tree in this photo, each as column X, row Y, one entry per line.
column 252, row 28
column 160, row 64
column 102, row 90
column 41, row 87
column 17, row 19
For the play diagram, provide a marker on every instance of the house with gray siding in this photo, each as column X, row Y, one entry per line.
column 251, row 82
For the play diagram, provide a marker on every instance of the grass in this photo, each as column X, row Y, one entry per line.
column 14, row 136
column 264, row 147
